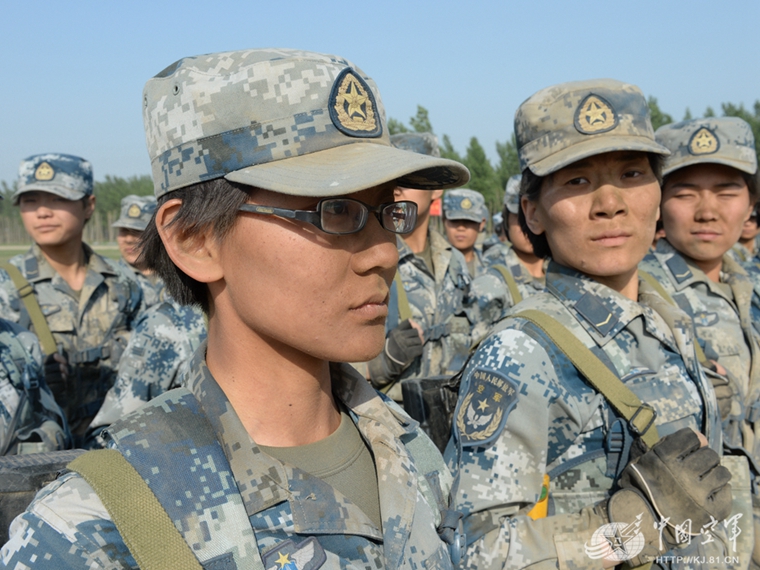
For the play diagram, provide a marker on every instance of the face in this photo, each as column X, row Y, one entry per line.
column 704, row 207
column 462, row 234
column 598, row 214
column 306, row 291
column 516, row 236
column 51, row 220
column 750, row 229
column 127, row 240
column 423, row 198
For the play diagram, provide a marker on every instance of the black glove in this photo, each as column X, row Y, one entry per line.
column 402, row 345
column 677, row 479
column 56, row 377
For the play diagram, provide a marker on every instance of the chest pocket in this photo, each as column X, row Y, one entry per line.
column 674, row 397
column 59, row 320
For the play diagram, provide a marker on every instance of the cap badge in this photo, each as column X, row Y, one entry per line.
column 595, row 115
column 703, row 142
column 134, row 211
column 353, row 109
column 466, row 204
column 44, row 172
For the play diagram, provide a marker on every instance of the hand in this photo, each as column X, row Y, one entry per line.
column 57, row 375
column 402, row 345
column 724, row 393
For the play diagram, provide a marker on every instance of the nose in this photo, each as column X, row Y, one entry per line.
column 706, row 210
column 608, row 201
column 376, row 249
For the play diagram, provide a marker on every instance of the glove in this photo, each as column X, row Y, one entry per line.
column 677, row 479
column 402, row 345
column 56, row 377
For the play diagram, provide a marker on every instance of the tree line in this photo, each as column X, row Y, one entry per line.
column 487, row 178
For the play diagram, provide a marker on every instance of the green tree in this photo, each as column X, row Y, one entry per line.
column 659, row 118
column 421, row 121
column 509, row 162
column 709, row 112
column 483, row 177
column 687, row 115
column 448, row 151
column 395, row 126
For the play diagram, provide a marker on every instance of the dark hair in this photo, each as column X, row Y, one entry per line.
column 206, row 205
column 530, row 186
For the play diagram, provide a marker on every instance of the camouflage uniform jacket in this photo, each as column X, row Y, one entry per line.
column 153, row 288
column 438, row 306
column 525, row 411
column 235, row 503
column 30, row 420
column 724, row 327
column 165, row 336
column 92, row 330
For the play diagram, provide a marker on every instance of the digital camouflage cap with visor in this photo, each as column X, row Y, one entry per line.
column 565, row 123
column 64, row 175
column 512, row 194
column 719, row 140
column 284, row 120
column 136, row 212
column 464, row 204
column 422, row 143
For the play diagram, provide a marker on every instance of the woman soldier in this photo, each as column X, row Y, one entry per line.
column 274, row 175
column 532, row 420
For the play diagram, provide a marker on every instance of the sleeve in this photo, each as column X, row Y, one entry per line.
column 513, row 418
column 10, row 303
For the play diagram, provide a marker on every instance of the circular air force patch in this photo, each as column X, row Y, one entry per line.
column 483, row 411
column 287, row 555
column 595, row 115
column 353, row 109
column 466, row 204
column 703, row 141
column 134, row 211
column 44, row 172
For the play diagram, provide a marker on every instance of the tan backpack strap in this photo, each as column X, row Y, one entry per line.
column 404, row 308
column 26, row 293
column 640, row 416
column 510, row 281
column 662, row 292
column 148, row 532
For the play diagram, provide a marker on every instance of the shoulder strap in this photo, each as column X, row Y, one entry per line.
column 26, row 292
column 640, row 416
column 152, row 538
column 510, row 281
column 662, row 292
column 404, row 308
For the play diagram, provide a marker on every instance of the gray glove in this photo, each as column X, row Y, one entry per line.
column 402, row 346
column 677, row 479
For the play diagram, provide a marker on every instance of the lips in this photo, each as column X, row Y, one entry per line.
column 611, row 238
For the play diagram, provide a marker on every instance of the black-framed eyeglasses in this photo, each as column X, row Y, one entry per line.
column 342, row 216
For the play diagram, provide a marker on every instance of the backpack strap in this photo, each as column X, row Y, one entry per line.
column 148, row 532
column 404, row 308
column 509, row 279
column 640, row 416
column 26, row 293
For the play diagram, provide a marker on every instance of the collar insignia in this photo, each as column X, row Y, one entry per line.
column 134, row 211
column 44, row 172
column 466, row 204
column 595, row 115
column 353, row 109
column 703, row 141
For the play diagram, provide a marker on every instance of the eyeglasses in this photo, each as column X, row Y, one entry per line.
column 342, row 216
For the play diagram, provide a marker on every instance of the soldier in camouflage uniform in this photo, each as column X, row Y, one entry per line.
column 275, row 214
column 464, row 217
column 541, row 455
column 136, row 214
column 164, row 338
column 746, row 250
column 436, row 286
column 88, row 303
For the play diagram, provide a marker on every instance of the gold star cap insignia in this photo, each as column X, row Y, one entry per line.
column 595, row 115
column 44, row 172
column 353, row 108
column 703, row 141
column 134, row 211
column 466, row 204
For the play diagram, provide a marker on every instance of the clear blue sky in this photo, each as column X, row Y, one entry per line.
column 73, row 72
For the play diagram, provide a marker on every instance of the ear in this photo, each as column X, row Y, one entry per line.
column 482, row 226
column 435, row 194
column 196, row 255
column 532, row 217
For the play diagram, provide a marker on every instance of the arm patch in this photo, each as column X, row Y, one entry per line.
column 483, row 411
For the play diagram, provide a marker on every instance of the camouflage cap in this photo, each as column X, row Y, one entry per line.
column 720, row 140
column 562, row 124
column 64, row 175
column 497, row 219
column 136, row 212
column 464, row 204
column 512, row 194
column 421, row 143
column 289, row 121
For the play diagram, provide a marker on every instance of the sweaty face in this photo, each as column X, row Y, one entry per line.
column 462, row 234
column 127, row 240
column 704, row 208
column 302, row 290
column 599, row 213
column 51, row 220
